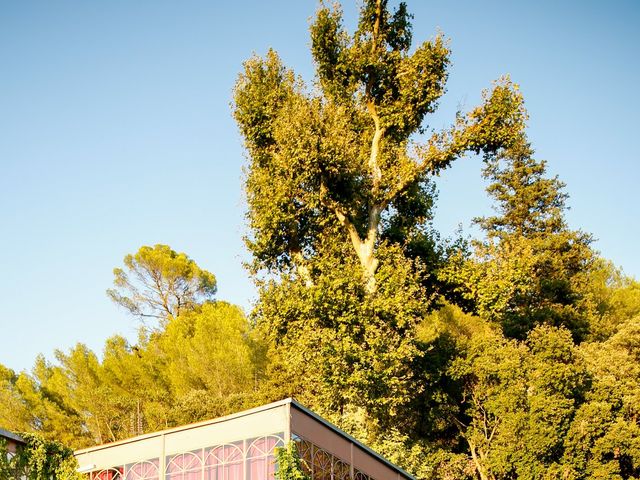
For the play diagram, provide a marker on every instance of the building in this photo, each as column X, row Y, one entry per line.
column 12, row 440
column 239, row 447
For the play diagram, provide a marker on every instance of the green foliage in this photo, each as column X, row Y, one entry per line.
column 521, row 399
column 188, row 340
column 16, row 413
column 333, row 345
column 527, row 201
column 333, row 164
column 340, row 199
column 614, row 299
column 531, row 269
column 422, row 459
column 204, row 362
column 546, row 408
column 38, row 459
column 160, row 283
column 513, row 356
column 352, row 277
column 289, row 464
column 604, row 440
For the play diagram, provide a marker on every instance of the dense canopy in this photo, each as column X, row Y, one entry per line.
column 515, row 354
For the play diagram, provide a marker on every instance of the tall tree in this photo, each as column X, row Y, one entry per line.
column 528, row 202
column 14, row 414
column 531, row 268
column 160, row 283
column 339, row 196
column 209, row 349
column 342, row 160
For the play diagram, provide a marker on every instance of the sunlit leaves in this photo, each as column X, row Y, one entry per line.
column 335, row 159
column 159, row 282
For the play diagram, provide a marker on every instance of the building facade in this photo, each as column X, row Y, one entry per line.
column 241, row 446
column 13, row 441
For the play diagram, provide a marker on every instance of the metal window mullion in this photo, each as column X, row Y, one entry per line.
column 265, row 454
column 313, row 460
column 351, row 472
column 245, row 460
column 332, row 469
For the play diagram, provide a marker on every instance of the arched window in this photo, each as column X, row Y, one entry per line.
column 358, row 475
column 341, row 470
column 184, row 466
column 261, row 458
column 143, row 471
column 108, row 474
column 224, row 462
column 321, row 464
column 305, row 452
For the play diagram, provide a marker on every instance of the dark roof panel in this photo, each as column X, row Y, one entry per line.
column 11, row 436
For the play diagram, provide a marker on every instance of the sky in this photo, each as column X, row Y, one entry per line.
column 116, row 132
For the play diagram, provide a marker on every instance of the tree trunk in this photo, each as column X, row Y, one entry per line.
column 301, row 267
column 482, row 471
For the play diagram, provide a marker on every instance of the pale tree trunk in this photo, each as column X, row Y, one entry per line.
column 479, row 457
column 365, row 248
column 480, row 468
column 301, row 267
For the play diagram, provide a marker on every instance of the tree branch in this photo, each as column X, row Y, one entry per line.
column 301, row 267
column 374, row 168
column 376, row 26
column 437, row 154
column 342, row 217
column 364, row 248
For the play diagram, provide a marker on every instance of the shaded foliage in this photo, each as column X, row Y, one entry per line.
column 531, row 269
column 515, row 355
column 38, row 459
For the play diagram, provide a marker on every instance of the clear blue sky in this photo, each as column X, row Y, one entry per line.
column 115, row 131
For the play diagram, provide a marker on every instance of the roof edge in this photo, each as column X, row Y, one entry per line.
column 344, row 434
column 188, row 426
column 261, row 408
column 11, row 436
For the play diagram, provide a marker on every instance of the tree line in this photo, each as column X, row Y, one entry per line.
column 511, row 355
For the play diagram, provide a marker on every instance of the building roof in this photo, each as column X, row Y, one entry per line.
column 262, row 408
column 11, row 436
column 348, row 437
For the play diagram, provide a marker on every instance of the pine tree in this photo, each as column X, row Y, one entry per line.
column 531, row 268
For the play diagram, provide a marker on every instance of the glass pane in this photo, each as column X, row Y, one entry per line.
column 213, row 473
column 341, row 470
column 224, row 462
column 304, row 451
column 321, row 465
column 109, row 474
column 263, row 446
column 184, row 466
column 232, row 453
column 234, row 472
column 358, row 475
column 257, row 468
column 143, row 471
